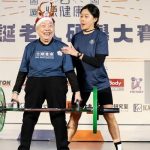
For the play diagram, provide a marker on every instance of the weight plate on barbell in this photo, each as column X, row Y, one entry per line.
column 2, row 105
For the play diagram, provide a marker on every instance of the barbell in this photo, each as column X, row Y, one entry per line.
column 95, row 110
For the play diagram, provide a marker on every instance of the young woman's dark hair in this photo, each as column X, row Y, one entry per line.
column 94, row 12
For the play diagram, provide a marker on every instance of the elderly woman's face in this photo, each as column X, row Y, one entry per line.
column 45, row 30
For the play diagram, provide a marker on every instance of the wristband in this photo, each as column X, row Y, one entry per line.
column 79, row 55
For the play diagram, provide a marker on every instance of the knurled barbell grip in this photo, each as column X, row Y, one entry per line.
column 102, row 111
column 77, row 105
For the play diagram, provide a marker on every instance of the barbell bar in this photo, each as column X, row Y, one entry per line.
column 95, row 110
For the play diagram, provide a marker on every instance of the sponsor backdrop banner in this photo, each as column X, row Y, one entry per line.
column 127, row 24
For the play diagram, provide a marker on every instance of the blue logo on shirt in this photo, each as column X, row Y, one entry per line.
column 92, row 41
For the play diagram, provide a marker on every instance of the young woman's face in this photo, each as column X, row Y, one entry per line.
column 87, row 20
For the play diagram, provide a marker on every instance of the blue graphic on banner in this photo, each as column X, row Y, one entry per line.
column 27, row 31
column 65, row 11
column 33, row 2
column 61, row 11
column 123, row 36
column 144, row 32
column 76, row 11
column 33, row 12
column 7, row 32
column 75, row 28
column 96, row 2
column 104, row 28
column 136, row 85
column 72, row 29
column 65, row 1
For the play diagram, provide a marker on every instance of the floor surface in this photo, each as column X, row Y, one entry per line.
column 47, row 145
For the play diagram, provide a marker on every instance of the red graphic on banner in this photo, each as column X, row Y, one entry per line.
column 117, row 82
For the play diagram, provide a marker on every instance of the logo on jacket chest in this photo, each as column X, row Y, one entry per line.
column 92, row 41
column 44, row 55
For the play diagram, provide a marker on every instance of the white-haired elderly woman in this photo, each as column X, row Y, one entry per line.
column 46, row 69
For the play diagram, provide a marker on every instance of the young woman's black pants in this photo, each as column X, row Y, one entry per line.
column 53, row 90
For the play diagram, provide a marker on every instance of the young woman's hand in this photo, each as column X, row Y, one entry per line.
column 70, row 50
